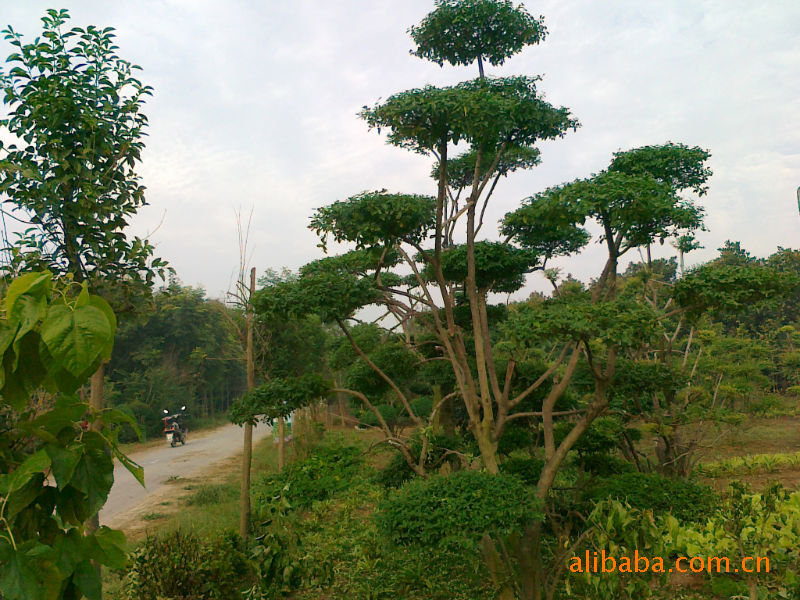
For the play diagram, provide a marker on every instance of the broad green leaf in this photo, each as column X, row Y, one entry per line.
column 27, row 573
column 113, row 548
column 87, row 580
column 94, row 476
column 27, row 312
column 20, row 499
column 83, row 296
column 105, row 307
column 35, row 463
column 37, row 284
column 133, row 468
column 77, row 337
column 64, row 461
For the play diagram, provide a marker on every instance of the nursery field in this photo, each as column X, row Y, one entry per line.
column 562, row 361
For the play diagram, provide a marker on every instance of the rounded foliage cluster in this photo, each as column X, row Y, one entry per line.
column 457, row 508
column 685, row 500
column 461, row 31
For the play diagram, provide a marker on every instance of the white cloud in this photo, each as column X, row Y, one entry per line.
column 255, row 105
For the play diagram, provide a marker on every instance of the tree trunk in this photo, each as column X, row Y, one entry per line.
column 247, row 451
column 281, row 444
column 96, row 404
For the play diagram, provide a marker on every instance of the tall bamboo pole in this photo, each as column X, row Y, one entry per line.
column 247, row 452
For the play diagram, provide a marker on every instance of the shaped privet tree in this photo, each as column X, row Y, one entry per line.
column 440, row 292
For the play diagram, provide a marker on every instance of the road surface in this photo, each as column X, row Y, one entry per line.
column 163, row 462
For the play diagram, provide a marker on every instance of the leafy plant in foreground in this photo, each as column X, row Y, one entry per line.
column 54, row 474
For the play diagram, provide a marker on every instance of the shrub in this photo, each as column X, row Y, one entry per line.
column 397, row 471
column 517, row 436
column 389, row 413
column 606, row 465
column 329, row 469
column 180, row 566
column 686, row 500
column 422, row 406
column 527, row 469
column 456, row 508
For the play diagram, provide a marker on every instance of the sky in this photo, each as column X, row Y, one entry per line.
column 255, row 109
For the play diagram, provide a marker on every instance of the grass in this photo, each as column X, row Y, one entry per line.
column 340, row 539
column 153, row 516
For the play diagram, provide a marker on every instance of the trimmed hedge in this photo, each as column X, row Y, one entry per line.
column 458, row 507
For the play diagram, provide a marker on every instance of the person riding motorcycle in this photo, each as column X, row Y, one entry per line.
column 174, row 427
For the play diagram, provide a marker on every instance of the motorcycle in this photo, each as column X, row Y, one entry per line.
column 174, row 427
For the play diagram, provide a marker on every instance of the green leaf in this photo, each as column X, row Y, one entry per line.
column 87, row 580
column 36, row 284
column 94, row 476
column 113, row 548
column 27, row 312
column 105, row 307
column 35, row 463
column 76, row 338
column 64, row 461
column 27, row 573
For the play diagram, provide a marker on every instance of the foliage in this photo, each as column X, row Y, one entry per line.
column 331, row 294
column 462, row 31
column 754, row 525
column 749, row 465
column 439, row 452
column 499, row 267
column 329, row 469
column 483, row 113
column 345, row 557
column 389, row 412
column 181, row 566
column 277, row 398
column 676, row 165
column 75, row 131
column 527, row 468
column 729, row 288
column 461, row 169
column 373, row 219
column 456, row 509
column 180, row 351
column 618, row 531
column 54, row 336
column 686, row 500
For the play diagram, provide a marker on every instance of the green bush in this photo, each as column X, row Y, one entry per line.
column 329, row 469
column 527, row 469
column 516, row 436
column 456, row 508
column 180, row 566
column 686, row 500
column 389, row 413
column 397, row 471
column 606, row 465
column 422, row 406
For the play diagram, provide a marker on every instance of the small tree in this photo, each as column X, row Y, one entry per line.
column 54, row 338
column 76, row 131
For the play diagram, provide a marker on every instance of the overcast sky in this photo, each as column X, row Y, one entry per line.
column 255, row 107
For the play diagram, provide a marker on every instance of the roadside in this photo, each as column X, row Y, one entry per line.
column 206, row 503
column 163, row 464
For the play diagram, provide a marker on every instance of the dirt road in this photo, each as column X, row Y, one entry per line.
column 162, row 462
